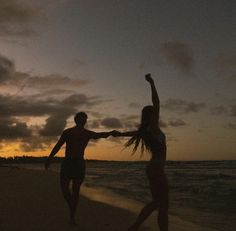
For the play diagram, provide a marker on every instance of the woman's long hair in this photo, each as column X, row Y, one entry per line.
column 145, row 131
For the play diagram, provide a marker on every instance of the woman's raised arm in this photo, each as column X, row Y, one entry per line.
column 155, row 97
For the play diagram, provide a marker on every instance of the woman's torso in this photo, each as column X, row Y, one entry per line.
column 157, row 144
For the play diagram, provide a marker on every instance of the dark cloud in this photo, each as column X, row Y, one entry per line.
column 226, row 66
column 32, row 146
column 16, row 18
column 58, row 91
column 178, row 105
column 177, row 123
column 76, row 100
column 13, row 129
column 57, row 110
column 233, row 110
column 179, row 55
column 232, row 126
column 7, row 67
column 51, row 83
column 36, row 143
column 22, row 106
column 130, row 122
column 11, row 77
column 45, row 102
column 218, row 110
column 111, row 122
column 54, row 126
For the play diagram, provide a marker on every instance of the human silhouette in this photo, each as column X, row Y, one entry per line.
column 73, row 165
column 150, row 137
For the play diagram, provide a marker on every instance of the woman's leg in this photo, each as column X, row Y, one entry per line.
column 163, row 206
column 144, row 214
column 163, row 219
column 159, row 189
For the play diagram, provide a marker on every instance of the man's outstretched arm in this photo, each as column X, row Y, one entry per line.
column 98, row 135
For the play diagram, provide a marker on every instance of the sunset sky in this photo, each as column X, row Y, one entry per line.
column 58, row 57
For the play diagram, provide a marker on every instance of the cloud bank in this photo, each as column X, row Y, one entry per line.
column 51, row 98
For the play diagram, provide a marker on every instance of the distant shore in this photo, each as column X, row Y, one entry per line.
column 41, row 159
column 31, row 200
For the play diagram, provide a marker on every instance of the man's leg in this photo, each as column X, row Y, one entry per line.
column 76, row 183
column 65, row 188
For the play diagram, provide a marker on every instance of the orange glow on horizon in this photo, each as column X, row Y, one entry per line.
column 107, row 150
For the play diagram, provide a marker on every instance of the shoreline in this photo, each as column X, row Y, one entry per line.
column 31, row 200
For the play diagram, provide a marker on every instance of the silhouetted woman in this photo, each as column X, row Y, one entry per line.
column 151, row 138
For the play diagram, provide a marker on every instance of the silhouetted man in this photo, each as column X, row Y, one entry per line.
column 73, row 165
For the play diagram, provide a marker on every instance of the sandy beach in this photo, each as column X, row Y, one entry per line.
column 31, row 200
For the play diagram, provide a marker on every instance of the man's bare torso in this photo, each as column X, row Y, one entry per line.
column 76, row 141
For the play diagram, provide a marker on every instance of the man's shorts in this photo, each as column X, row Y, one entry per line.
column 72, row 169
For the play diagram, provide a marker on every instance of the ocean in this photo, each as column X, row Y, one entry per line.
column 202, row 192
